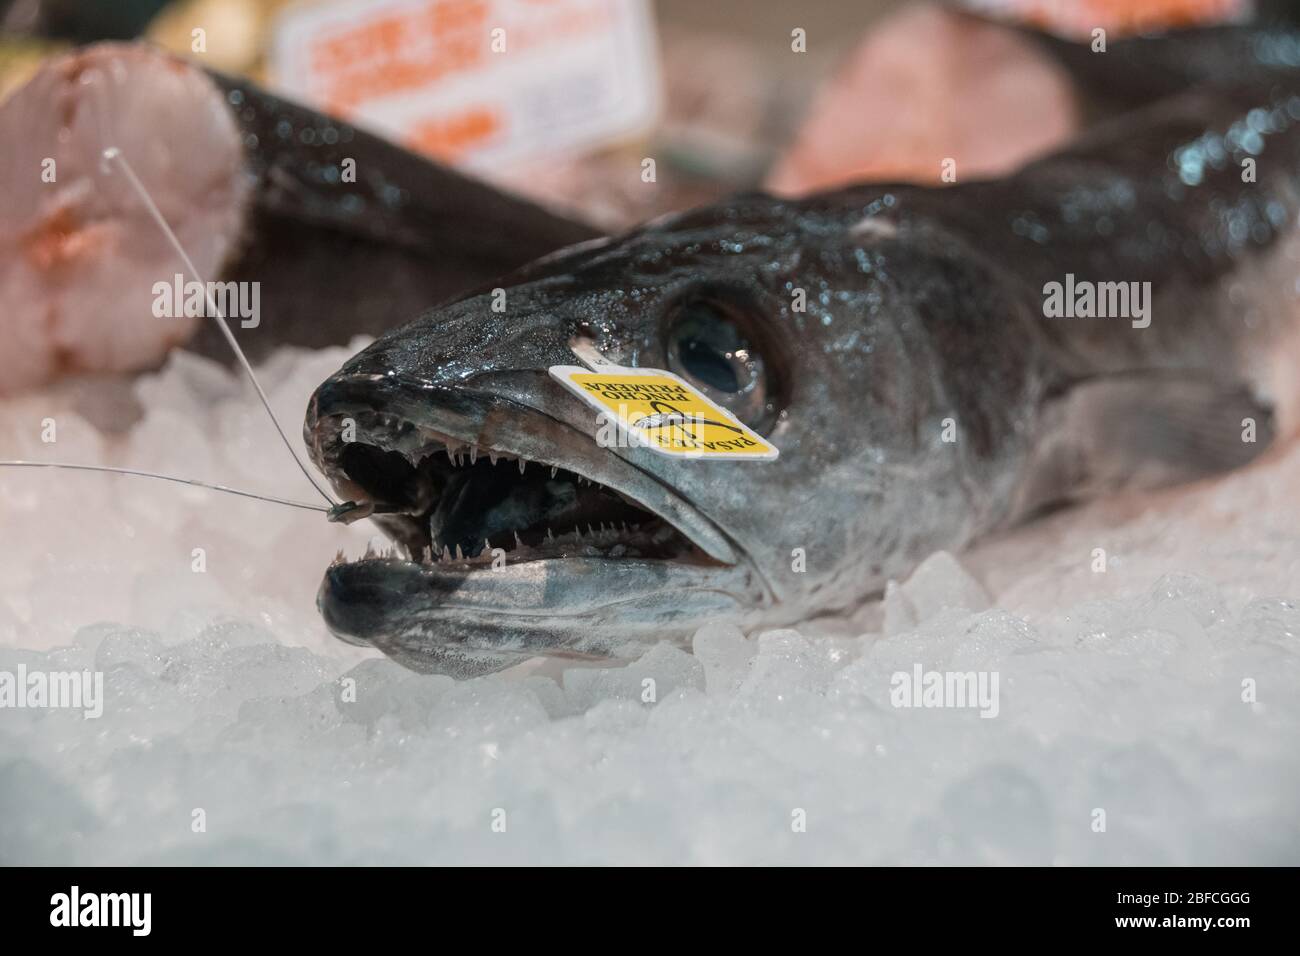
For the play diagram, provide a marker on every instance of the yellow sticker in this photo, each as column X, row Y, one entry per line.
column 648, row 407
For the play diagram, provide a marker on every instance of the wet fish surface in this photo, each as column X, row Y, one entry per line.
column 897, row 343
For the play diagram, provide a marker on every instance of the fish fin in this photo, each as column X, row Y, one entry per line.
column 428, row 657
column 397, row 196
column 338, row 257
column 1141, row 430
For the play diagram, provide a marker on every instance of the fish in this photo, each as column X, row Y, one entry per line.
column 907, row 348
column 334, row 231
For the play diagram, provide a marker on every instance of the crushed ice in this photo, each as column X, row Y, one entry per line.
column 1161, row 691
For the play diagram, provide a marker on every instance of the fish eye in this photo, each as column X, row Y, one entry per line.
column 707, row 347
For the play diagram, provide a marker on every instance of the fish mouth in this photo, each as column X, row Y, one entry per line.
column 513, row 531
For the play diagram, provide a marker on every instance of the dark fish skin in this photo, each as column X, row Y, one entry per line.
column 80, row 22
column 339, row 259
column 1136, row 72
column 925, row 309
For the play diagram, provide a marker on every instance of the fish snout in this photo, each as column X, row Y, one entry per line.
column 453, row 344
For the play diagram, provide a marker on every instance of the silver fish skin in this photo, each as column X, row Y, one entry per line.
column 920, row 398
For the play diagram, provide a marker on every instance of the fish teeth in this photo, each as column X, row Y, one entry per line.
column 473, row 454
column 522, row 464
column 553, row 471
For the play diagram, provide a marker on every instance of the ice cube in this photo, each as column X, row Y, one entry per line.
column 726, row 655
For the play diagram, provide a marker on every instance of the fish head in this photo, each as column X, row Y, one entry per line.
column 520, row 533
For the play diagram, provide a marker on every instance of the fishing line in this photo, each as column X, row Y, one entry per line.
column 346, row 512
column 114, row 154
column 16, row 463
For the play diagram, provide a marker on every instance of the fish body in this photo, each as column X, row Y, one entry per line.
column 911, row 351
